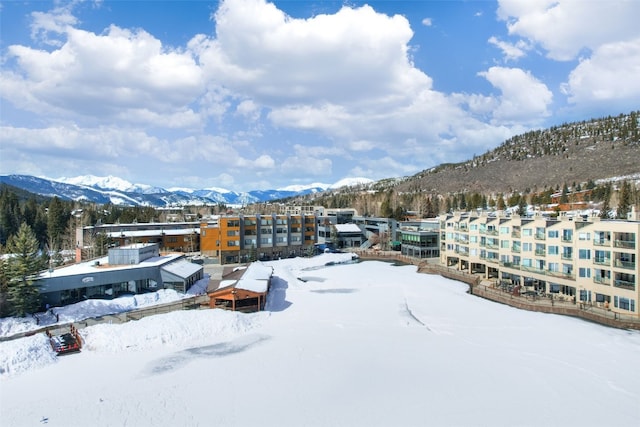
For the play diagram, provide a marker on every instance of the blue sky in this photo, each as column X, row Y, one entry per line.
column 250, row 94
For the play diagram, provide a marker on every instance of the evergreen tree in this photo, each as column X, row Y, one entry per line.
column 564, row 198
column 386, row 211
column 624, row 201
column 463, row 203
column 9, row 215
column 4, row 286
column 605, row 211
column 23, row 266
column 57, row 220
column 522, row 206
column 500, row 204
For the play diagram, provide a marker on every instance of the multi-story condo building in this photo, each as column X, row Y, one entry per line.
column 420, row 238
column 170, row 236
column 583, row 259
column 242, row 238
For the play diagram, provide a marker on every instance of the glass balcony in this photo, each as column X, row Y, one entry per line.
column 561, row 274
column 602, row 261
column 624, row 284
column 602, row 281
column 627, row 244
column 630, row 265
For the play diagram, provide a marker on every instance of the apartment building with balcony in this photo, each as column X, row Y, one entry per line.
column 242, row 238
column 582, row 259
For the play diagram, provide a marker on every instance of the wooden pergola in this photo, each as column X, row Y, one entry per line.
column 248, row 294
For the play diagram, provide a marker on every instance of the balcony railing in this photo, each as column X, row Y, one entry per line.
column 533, row 269
column 624, row 284
column 567, row 239
column 627, row 244
column 602, row 261
column 561, row 274
column 568, row 257
column 508, row 264
column 515, row 249
column 625, row 264
column 541, row 252
column 602, row 281
column 540, row 236
column 601, row 242
column 515, row 234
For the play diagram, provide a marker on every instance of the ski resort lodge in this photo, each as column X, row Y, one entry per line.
column 130, row 269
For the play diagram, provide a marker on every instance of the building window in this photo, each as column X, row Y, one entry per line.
column 584, row 272
column 584, row 254
column 624, row 303
column 553, row 234
column 584, row 236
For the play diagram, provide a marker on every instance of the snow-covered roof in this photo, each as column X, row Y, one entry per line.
column 348, row 228
column 102, row 264
column 182, row 268
column 256, row 278
column 254, row 285
column 158, row 233
column 257, row 270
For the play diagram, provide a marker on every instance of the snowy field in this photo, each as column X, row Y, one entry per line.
column 368, row 344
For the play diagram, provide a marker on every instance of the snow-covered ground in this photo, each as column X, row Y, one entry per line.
column 368, row 344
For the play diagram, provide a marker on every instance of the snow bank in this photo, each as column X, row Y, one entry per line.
column 175, row 329
column 25, row 354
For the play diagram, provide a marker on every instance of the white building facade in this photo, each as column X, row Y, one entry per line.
column 583, row 259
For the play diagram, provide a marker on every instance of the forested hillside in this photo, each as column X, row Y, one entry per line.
column 530, row 166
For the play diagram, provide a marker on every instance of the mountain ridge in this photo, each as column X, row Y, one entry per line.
column 118, row 191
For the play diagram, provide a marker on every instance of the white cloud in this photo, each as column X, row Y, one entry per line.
column 120, row 76
column 248, row 109
column 337, row 59
column 523, row 98
column 565, row 27
column 596, row 80
column 264, row 162
column 510, row 51
column 427, row 22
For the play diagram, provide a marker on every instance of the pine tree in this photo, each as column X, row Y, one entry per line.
column 23, row 293
column 522, row 206
column 9, row 215
column 624, row 200
column 57, row 219
column 564, row 198
column 605, row 211
column 4, row 286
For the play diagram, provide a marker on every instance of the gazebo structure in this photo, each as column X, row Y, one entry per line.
column 247, row 294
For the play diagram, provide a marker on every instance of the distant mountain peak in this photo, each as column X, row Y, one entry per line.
column 118, row 191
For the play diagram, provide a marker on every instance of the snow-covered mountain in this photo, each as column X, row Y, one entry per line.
column 121, row 192
column 112, row 183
